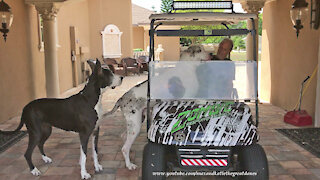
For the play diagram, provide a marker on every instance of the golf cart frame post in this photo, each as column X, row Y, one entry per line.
column 166, row 19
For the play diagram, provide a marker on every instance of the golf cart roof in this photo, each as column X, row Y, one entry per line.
column 200, row 18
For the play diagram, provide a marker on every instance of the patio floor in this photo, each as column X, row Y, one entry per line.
column 287, row 161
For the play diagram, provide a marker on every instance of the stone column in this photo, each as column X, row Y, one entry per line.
column 252, row 7
column 31, row 15
column 317, row 108
column 50, row 35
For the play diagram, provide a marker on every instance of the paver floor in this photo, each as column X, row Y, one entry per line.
column 287, row 160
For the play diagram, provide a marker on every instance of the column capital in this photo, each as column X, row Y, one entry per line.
column 48, row 12
column 252, row 6
column 47, row 8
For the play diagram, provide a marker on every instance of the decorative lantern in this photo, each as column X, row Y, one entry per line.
column 298, row 14
column 6, row 18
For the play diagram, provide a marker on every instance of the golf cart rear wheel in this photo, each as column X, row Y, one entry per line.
column 153, row 162
column 253, row 159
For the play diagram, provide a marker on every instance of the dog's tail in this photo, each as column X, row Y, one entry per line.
column 116, row 106
column 17, row 129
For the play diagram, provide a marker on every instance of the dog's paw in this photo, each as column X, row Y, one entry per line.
column 85, row 175
column 35, row 172
column 46, row 159
column 132, row 166
column 98, row 167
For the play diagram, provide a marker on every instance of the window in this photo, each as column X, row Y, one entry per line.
column 40, row 33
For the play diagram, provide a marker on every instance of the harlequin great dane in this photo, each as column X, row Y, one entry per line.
column 133, row 103
column 79, row 113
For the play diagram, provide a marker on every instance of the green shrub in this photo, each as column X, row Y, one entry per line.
column 137, row 50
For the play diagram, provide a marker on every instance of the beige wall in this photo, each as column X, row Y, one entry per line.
column 78, row 16
column 103, row 13
column 15, row 84
column 138, row 37
column 15, row 63
column 286, row 60
column 171, row 46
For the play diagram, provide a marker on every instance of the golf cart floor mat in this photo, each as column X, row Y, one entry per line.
column 8, row 140
column 307, row 138
column 210, row 123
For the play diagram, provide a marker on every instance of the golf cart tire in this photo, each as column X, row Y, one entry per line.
column 153, row 161
column 253, row 159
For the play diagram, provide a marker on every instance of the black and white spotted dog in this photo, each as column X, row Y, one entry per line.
column 194, row 53
column 79, row 113
column 133, row 102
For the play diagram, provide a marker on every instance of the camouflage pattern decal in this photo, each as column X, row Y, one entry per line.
column 205, row 124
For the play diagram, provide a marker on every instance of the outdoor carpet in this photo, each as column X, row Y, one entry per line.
column 308, row 138
column 7, row 140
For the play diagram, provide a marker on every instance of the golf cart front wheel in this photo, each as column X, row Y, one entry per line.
column 153, row 163
column 253, row 159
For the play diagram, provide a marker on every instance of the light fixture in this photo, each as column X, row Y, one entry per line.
column 298, row 14
column 206, row 4
column 6, row 18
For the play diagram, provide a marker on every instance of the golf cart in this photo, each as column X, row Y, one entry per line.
column 198, row 119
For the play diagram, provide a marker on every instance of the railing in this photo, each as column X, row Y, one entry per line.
column 157, row 55
column 140, row 53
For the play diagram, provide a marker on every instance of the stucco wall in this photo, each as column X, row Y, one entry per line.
column 286, row 60
column 15, row 82
column 78, row 16
column 171, row 46
column 103, row 13
column 138, row 37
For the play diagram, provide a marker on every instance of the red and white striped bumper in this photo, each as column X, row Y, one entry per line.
column 205, row 162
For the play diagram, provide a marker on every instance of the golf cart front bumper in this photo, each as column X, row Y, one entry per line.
column 204, row 157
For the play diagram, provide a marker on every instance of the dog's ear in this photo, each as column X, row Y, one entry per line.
column 92, row 64
column 98, row 68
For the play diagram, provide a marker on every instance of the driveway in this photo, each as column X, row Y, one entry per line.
column 287, row 160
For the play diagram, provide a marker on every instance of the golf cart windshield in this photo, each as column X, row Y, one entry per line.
column 201, row 80
column 216, row 80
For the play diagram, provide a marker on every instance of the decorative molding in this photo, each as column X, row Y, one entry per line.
column 44, row 1
column 47, row 8
column 111, row 41
column 252, row 6
column 48, row 11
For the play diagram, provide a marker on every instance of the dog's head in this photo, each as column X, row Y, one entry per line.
column 194, row 53
column 103, row 75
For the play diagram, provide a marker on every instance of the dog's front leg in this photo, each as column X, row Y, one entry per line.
column 83, row 155
column 95, row 138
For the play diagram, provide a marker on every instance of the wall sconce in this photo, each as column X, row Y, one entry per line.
column 298, row 14
column 6, row 18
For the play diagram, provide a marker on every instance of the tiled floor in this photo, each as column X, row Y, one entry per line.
column 287, row 161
